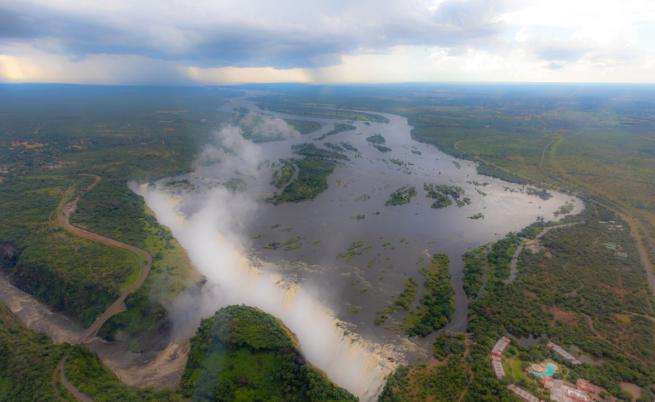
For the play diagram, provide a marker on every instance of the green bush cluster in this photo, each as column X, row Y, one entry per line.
column 242, row 353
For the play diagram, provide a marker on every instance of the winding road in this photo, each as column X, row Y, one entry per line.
column 118, row 306
column 63, row 219
column 61, row 376
column 163, row 369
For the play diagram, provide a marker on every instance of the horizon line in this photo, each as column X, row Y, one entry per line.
column 336, row 84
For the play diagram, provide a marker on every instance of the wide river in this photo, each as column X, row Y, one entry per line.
column 395, row 240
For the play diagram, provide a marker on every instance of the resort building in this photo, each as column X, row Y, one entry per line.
column 497, row 365
column 564, row 354
column 497, row 356
column 500, row 347
column 523, row 394
column 561, row 391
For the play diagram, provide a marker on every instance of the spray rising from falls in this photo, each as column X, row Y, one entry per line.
column 209, row 225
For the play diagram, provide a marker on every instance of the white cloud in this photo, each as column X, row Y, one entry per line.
column 327, row 41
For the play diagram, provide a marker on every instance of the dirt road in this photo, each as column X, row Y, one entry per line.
column 77, row 394
column 118, row 306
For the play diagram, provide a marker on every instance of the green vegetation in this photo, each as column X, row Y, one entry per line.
column 338, row 128
column 400, row 162
column 87, row 373
column 77, row 276
column 316, row 110
column 304, row 126
column 590, row 140
column 478, row 215
column 349, row 147
column 401, row 196
column 475, row 267
column 376, row 139
column 84, row 278
column 292, row 243
column 437, row 303
column 145, row 319
column 27, row 361
column 244, row 354
column 311, row 181
column 448, row 345
column 403, row 301
column 313, row 169
column 577, row 307
column 115, row 211
column 333, row 147
column 596, row 142
column 440, row 382
column 382, row 148
column 567, row 208
column 444, row 195
column 356, row 248
column 119, row 135
column 309, row 150
column 541, row 193
column 282, row 174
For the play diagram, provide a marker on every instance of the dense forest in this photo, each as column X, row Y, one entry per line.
column 242, row 353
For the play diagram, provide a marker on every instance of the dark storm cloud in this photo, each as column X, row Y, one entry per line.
column 246, row 33
column 73, row 35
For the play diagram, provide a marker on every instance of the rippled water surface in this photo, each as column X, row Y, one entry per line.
column 397, row 238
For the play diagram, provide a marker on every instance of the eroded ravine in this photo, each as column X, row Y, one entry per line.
column 61, row 329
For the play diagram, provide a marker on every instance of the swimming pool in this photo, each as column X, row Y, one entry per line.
column 549, row 370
